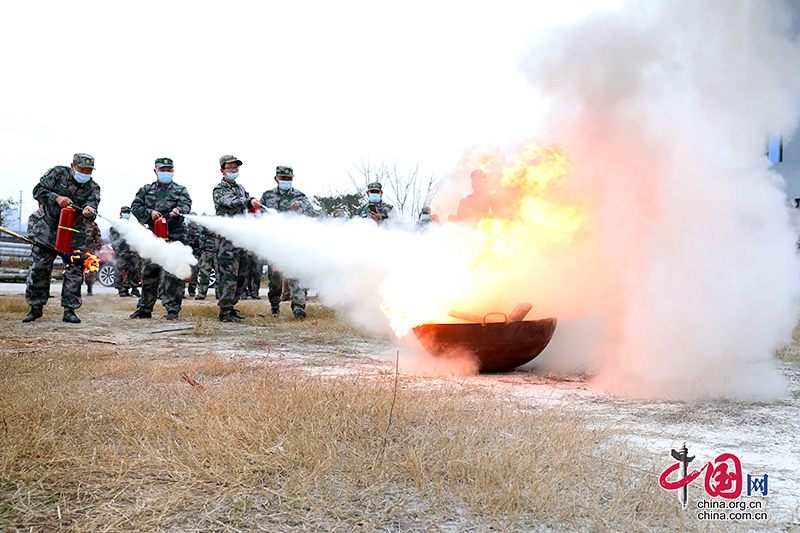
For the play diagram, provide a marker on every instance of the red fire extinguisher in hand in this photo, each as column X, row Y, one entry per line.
column 66, row 227
column 160, row 228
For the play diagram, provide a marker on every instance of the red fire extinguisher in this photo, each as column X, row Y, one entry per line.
column 253, row 210
column 161, row 229
column 66, row 227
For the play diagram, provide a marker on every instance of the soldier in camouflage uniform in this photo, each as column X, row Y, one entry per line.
column 285, row 198
column 193, row 240
column 252, row 284
column 126, row 262
column 32, row 220
column 208, row 257
column 162, row 198
column 231, row 199
column 61, row 187
column 94, row 241
column 375, row 208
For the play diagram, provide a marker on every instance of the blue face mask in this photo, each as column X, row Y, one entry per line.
column 126, row 216
column 82, row 178
column 231, row 175
column 374, row 197
column 285, row 185
column 164, row 177
column 187, row 222
column 425, row 217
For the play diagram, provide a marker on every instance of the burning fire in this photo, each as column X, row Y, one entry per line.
column 523, row 213
column 90, row 261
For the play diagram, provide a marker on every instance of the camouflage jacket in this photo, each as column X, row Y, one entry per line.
column 383, row 208
column 35, row 217
column 119, row 244
column 230, row 199
column 274, row 199
column 193, row 238
column 58, row 181
column 162, row 198
column 208, row 240
column 94, row 239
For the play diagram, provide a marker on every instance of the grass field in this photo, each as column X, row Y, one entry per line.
column 104, row 437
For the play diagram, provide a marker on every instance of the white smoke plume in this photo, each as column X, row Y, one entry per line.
column 664, row 109
column 346, row 261
column 175, row 257
column 684, row 276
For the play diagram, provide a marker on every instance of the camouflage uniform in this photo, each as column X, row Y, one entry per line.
column 162, row 198
column 193, row 240
column 126, row 264
column 32, row 220
column 59, row 181
column 280, row 201
column 94, row 241
column 230, row 199
column 208, row 256
column 252, row 283
column 382, row 207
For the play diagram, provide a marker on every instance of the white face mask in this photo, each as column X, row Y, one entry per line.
column 231, row 175
column 82, row 178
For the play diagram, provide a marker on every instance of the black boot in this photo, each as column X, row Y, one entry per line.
column 135, row 292
column 33, row 314
column 141, row 313
column 124, row 294
column 70, row 316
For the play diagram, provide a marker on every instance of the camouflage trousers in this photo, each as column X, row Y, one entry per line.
column 232, row 265
column 171, row 293
column 37, row 286
column 126, row 271
column 252, row 284
column 204, row 267
column 297, row 293
column 195, row 273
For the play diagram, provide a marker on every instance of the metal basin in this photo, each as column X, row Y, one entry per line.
column 497, row 346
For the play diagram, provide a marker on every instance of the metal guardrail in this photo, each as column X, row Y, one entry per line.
column 17, row 250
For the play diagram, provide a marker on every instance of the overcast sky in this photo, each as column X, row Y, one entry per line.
column 314, row 85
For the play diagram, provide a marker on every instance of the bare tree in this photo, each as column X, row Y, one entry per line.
column 407, row 191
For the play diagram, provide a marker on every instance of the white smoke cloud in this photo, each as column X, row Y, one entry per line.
column 175, row 257
column 346, row 261
column 664, row 109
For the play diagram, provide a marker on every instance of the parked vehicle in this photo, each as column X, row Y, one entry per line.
column 106, row 273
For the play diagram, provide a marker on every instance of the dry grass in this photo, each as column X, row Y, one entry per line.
column 110, row 441
column 97, row 437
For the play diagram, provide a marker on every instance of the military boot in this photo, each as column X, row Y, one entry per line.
column 70, row 316
column 135, row 292
column 124, row 293
column 33, row 314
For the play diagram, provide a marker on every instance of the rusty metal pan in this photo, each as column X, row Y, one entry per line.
column 497, row 346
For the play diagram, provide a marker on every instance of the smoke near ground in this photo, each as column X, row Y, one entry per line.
column 175, row 257
column 664, row 109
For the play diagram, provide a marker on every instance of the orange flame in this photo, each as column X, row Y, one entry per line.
column 528, row 214
column 90, row 261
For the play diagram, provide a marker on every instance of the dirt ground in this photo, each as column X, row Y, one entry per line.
column 766, row 437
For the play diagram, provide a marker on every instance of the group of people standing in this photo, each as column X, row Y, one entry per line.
column 165, row 201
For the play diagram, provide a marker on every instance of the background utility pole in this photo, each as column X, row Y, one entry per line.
column 19, row 207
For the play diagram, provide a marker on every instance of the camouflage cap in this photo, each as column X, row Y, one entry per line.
column 228, row 159
column 124, row 209
column 83, row 160
column 164, row 162
column 284, row 172
column 426, row 209
column 374, row 186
